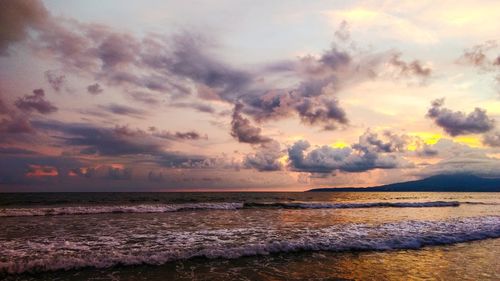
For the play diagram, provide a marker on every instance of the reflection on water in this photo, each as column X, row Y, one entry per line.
column 467, row 261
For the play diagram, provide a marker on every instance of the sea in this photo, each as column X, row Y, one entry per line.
column 250, row 236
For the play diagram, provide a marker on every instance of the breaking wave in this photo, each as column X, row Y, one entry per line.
column 164, row 208
column 135, row 247
column 144, row 208
column 330, row 205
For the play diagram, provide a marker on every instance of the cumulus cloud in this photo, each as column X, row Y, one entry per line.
column 322, row 111
column 371, row 141
column 243, row 130
column 35, row 102
column 266, row 158
column 326, row 159
column 458, row 123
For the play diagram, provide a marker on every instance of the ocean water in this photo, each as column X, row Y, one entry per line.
column 250, row 236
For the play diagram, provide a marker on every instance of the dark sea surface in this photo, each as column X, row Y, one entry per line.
column 250, row 236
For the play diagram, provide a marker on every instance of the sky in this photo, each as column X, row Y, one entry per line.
column 245, row 95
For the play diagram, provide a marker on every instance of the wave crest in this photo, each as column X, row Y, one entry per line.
column 158, row 248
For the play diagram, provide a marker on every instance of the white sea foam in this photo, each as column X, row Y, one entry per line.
column 144, row 208
column 132, row 247
column 163, row 208
column 331, row 205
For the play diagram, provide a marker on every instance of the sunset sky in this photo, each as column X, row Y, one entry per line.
column 245, row 95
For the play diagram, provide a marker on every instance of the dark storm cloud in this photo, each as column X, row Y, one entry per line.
column 492, row 139
column 124, row 110
column 243, row 130
column 94, row 89
column 35, row 102
column 16, row 17
column 266, row 158
column 55, row 80
column 458, row 123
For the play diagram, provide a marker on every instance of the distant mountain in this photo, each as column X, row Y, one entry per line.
column 439, row 183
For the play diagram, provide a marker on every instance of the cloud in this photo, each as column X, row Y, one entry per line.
column 492, row 139
column 484, row 57
column 35, row 102
column 16, row 151
column 23, row 168
column 16, row 17
column 134, row 145
column 370, row 141
column 243, row 131
column 185, row 63
column 478, row 55
column 266, row 158
column 326, row 159
column 55, row 80
column 94, row 89
column 189, row 135
column 458, row 123
column 146, row 98
column 201, row 107
column 15, row 125
column 410, row 68
column 322, row 111
column 459, row 158
column 124, row 110
column 426, row 151
column 343, row 33
column 103, row 141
